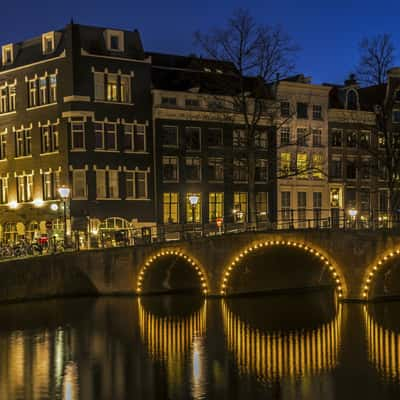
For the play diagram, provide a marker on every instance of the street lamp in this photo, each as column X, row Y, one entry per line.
column 194, row 200
column 64, row 194
column 353, row 213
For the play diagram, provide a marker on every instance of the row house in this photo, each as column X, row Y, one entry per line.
column 200, row 148
column 75, row 110
column 302, row 153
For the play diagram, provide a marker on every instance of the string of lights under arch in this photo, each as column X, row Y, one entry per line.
column 177, row 253
column 372, row 271
column 336, row 275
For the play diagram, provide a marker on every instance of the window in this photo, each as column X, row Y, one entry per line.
column 285, row 109
column 316, row 111
column 23, row 140
column 261, row 172
column 301, row 209
column 215, row 105
column 50, row 184
column 317, row 137
column 351, row 170
column 24, row 188
column 239, row 138
column 3, row 145
column 302, row 110
column 77, row 135
column 7, row 54
column 79, row 190
column 105, row 135
column 168, row 101
column 107, row 185
column 302, row 165
column 365, row 169
column 285, row 163
column 214, row 137
column 171, row 208
column 286, row 206
column 317, row 205
column 170, row 169
column 350, row 197
column 365, row 199
column 396, row 116
column 193, row 213
column 261, row 203
column 193, row 139
column 351, row 139
column 302, row 199
column 261, row 139
column 302, row 136
column 136, row 184
column 240, row 170
column 215, row 169
column 240, row 206
column 3, row 190
column 318, row 165
column 49, row 138
column 114, row 40
column 48, row 43
column 7, row 98
column 383, row 200
column 215, row 206
column 192, row 103
column 352, row 100
column 134, row 137
column 112, row 87
column 170, row 136
column 42, row 90
column 336, row 138
column 364, row 139
column 285, row 136
column 336, row 169
column 193, row 169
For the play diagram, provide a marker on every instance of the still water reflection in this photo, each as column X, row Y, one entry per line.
column 183, row 347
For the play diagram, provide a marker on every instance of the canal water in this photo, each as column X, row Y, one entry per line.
column 303, row 346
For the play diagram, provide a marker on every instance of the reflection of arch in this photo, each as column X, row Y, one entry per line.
column 372, row 272
column 274, row 355
column 170, row 337
column 260, row 245
column 165, row 253
column 383, row 347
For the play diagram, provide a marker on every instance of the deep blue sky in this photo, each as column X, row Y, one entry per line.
column 327, row 31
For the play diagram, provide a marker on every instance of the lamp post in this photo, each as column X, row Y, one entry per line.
column 194, row 200
column 64, row 194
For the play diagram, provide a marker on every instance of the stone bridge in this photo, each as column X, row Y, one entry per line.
column 360, row 264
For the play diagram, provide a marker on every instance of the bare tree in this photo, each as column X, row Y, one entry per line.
column 259, row 53
column 376, row 57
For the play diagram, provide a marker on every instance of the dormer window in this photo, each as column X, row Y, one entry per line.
column 7, row 54
column 352, row 100
column 48, row 44
column 115, row 40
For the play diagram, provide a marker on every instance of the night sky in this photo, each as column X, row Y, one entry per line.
column 327, row 32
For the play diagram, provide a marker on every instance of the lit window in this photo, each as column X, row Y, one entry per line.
column 240, row 206
column 170, row 208
column 3, row 190
column 302, row 165
column 215, row 206
column 24, row 188
column 3, row 145
column 50, row 184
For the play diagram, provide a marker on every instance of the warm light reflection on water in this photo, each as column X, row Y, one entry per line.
column 383, row 347
column 271, row 356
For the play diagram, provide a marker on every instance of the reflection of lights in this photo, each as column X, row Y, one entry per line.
column 353, row 212
column 198, row 366
column 383, row 347
column 95, row 231
column 175, row 253
column 274, row 355
column 259, row 245
column 54, row 207
column 70, row 384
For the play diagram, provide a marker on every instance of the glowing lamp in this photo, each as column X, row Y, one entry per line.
column 13, row 205
column 38, row 202
column 64, row 192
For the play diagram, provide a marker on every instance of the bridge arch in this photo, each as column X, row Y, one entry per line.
column 240, row 255
column 374, row 269
column 177, row 253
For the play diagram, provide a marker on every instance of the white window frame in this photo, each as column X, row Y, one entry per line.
column 3, row 144
column 74, row 173
column 4, row 50
column 78, row 122
column 103, row 134
column 132, row 133
column 133, row 183
column 45, row 38
column 121, row 40
column 3, row 189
